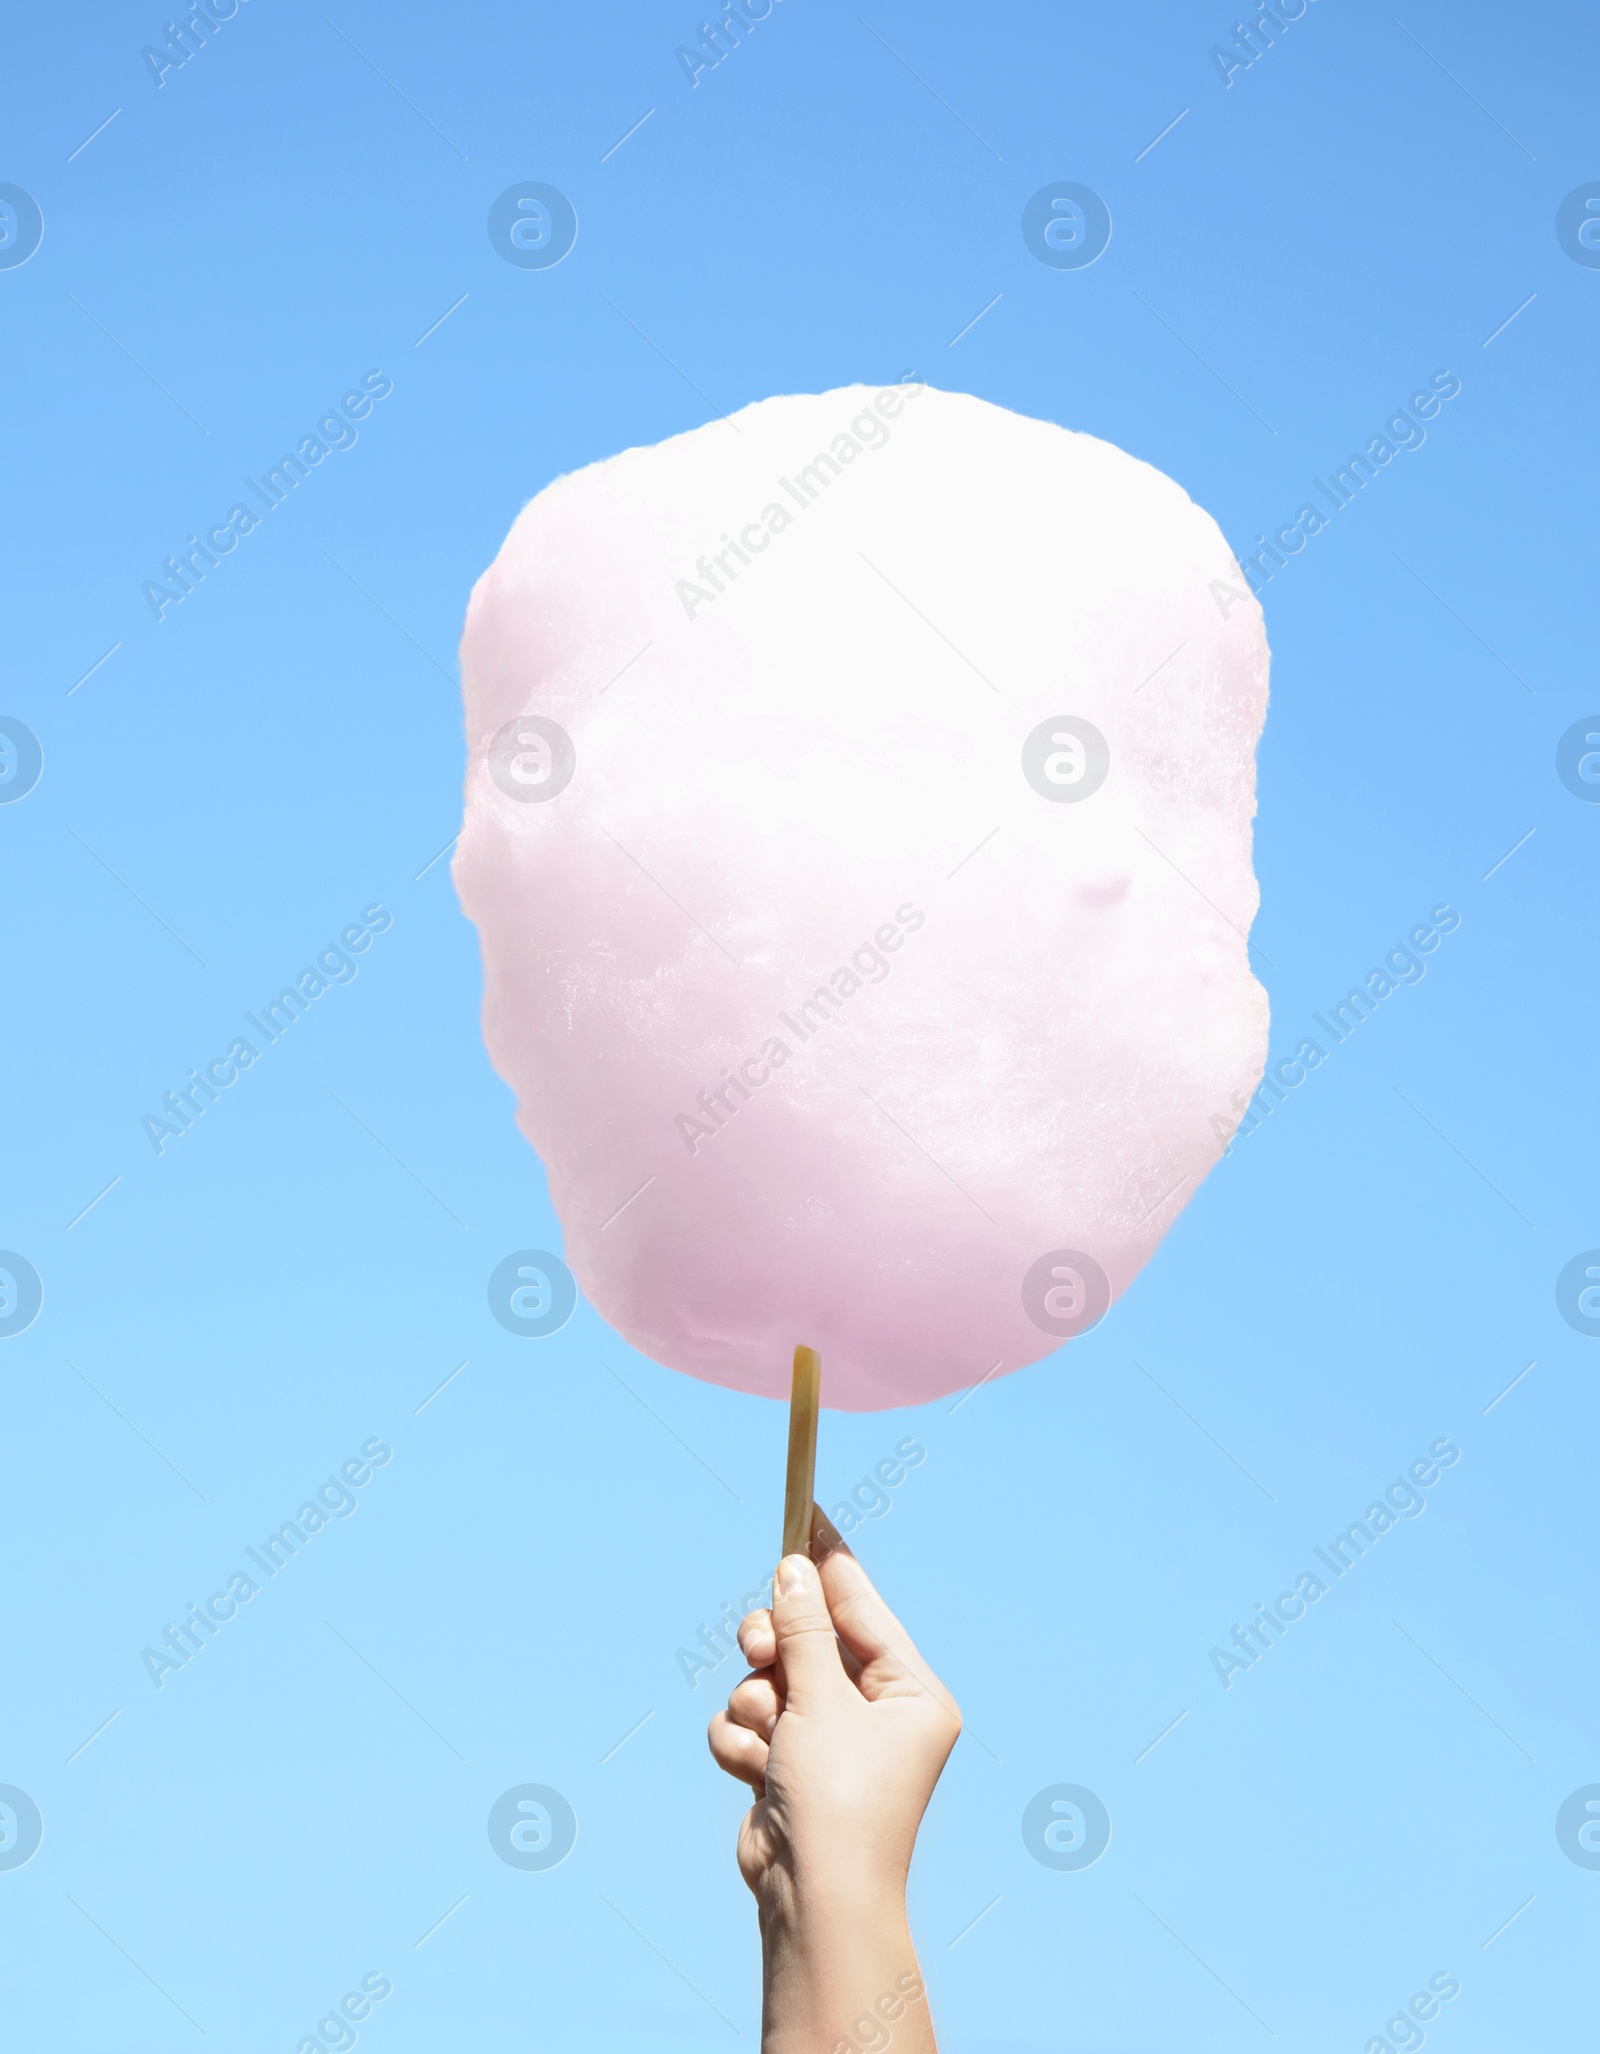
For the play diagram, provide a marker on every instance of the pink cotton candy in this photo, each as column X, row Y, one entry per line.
column 858, row 833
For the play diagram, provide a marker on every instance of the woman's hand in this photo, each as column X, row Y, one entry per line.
column 842, row 1730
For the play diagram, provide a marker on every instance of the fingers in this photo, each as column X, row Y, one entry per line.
column 755, row 1704
column 861, row 1618
column 870, row 1632
column 808, row 1654
column 738, row 1752
column 757, row 1641
column 825, row 1536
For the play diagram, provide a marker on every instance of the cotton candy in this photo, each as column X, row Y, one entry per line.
column 858, row 831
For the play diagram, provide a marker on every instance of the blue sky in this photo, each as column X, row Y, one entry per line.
column 228, row 790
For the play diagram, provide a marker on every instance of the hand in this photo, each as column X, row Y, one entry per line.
column 841, row 1729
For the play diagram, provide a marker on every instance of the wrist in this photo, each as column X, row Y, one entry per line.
column 798, row 1902
column 835, row 1960
column 805, row 1928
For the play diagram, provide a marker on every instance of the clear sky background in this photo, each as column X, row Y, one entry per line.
column 1374, row 199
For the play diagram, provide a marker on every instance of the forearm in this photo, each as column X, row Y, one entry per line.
column 840, row 1977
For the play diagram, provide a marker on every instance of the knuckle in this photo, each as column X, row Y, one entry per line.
column 807, row 1629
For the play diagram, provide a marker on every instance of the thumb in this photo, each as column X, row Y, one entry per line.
column 807, row 1651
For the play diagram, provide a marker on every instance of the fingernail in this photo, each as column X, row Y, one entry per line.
column 794, row 1573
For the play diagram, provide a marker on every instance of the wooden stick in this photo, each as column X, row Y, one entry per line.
column 804, row 1395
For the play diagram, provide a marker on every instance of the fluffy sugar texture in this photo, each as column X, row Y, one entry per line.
column 824, row 1022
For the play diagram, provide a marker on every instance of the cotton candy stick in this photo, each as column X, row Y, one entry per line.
column 804, row 1394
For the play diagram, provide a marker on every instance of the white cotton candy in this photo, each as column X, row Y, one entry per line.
column 858, row 833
